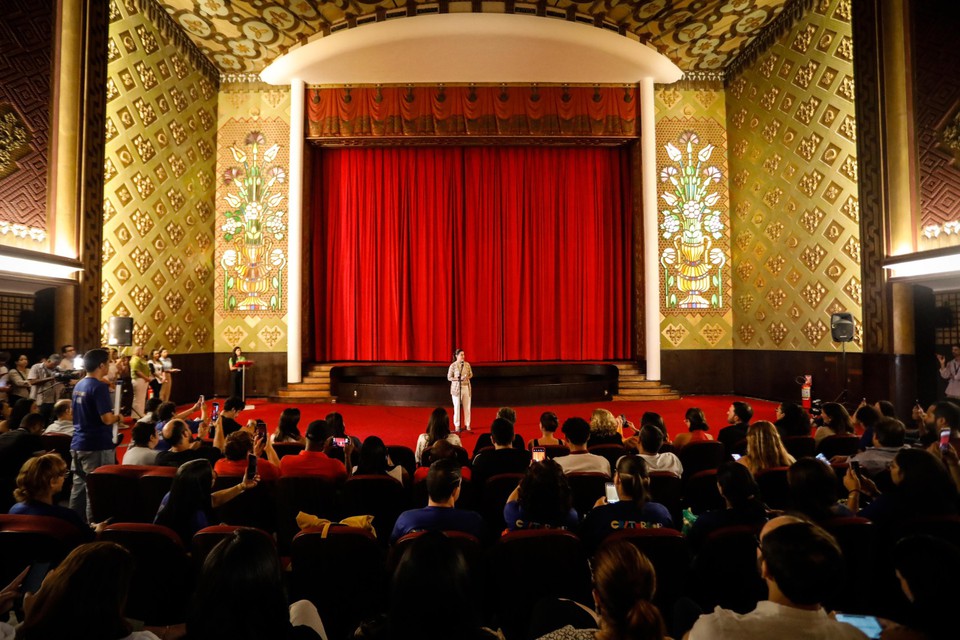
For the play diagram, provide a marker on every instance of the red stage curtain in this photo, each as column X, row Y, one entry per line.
column 513, row 253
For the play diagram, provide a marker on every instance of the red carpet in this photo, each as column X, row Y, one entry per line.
column 402, row 425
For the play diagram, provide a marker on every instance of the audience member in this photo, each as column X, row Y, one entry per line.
column 921, row 563
column 814, row 490
column 39, row 482
column 740, row 494
column 765, row 450
column 504, row 458
column 485, row 440
column 739, row 415
column 338, row 429
column 140, row 377
column 63, row 424
column 633, row 510
column 18, row 386
column 313, row 461
column 541, row 500
column 922, row 487
column 183, row 448
column 443, row 450
column 5, row 410
column 624, row 582
column 866, row 416
column 656, row 420
column 240, row 594
column 836, row 422
column 697, row 428
column 438, row 428
column 21, row 408
column 288, row 427
column 801, row 564
column 604, row 428
column 649, row 441
column 227, row 422
column 84, row 598
column 375, row 460
column 46, row 388
column 16, row 447
column 92, row 445
column 792, row 420
column 886, row 408
column 888, row 438
column 239, row 445
column 186, row 508
column 548, row 427
column 143, row 445
column 443, row 491
column 580, row 460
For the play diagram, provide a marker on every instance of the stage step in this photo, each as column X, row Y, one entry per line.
column 315, row 387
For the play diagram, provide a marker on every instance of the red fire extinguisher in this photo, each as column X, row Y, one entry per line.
column 805, row 392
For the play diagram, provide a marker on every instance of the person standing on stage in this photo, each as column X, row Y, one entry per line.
column 951, row 371
column 236, row 373
column 459, row 375
column 140, row 377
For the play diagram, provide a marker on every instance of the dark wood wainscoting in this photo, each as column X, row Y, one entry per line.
column 208, row 374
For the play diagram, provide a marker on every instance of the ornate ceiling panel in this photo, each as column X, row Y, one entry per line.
column 244, row 36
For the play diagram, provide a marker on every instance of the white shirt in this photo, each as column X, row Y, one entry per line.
column 45, row 392
column 951, row 372
column 452, row 438
column 663, row 462
column 583, row 463
column 140, row 455
column 60, row 426
column 772, row 620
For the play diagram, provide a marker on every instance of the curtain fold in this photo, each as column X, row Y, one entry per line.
column 512, row 253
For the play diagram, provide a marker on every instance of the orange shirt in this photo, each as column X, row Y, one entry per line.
column 265, row 469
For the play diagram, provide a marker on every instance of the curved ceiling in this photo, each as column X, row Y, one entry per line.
column 244, row 36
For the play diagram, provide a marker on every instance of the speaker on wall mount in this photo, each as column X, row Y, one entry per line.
column 841, row 327
column 120, row 331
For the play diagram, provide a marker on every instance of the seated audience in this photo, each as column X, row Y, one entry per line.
column 17, row 446
column 183, row 448
column 443, row 491
column 946, row 415
column 886, row 408
column 922, row 487
column 313, row 460
column 504, row 458
column 485, row 440
column 5, row 410
column 83, row 598
column 634, row 510
column 548, row 427
column 697, row 428
column 239, row 445
column 801, row 564
column 167, row 411
column 187, row 507
column 604, row 428
column 442, row 450
column 814, row 489
column 739, row 415
column 649, row 442
column 240, row 594
column 432, row 564
column 792, row 420
column 624, row 582
column 339, row 430
column 836, row 422
column 63, row 422
column 866, row 417
column 143, row 445
column 765, row 450
column 656, row 420
column 227, row 422
column 150, row 411
column 888, row 438
column 40, row 480
column 542, row 500
column 921, row 562
column 375, row 461
column 740, row 494
column 577, row 432
column 22, row 408
column 438, row 428
column 288, row 427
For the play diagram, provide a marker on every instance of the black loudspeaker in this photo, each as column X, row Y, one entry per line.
column 841, row 327
column 120, row 332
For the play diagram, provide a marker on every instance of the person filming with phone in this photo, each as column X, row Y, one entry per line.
column 314, row 460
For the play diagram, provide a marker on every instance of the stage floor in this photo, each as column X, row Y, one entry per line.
column 402, row 425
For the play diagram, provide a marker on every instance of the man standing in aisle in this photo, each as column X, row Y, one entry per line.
column 140, row 376
column 45, row 388
column 459, row 375
column 93, row 419
column 950, row 371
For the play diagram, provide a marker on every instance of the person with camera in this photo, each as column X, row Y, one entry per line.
column 46, row 381
column 93, row 419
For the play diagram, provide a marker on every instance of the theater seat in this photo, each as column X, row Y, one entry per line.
column 380, row 496
column 404, row 457
column 494, row 496
column 612, row 452
column 838, row 446
column 774, row 489
column 113, row 491
column 725, row 571
column 469, row 546
column 668, row 552
column 154, row 484
column 287, row 448
column 26, row 540
column 207, row 538
column 800, row 446
column 586, row 488
column 700, row 492
column 667, row 489
column 310, row 494
column 699, row 456
column 164, row 576
column 254, row 507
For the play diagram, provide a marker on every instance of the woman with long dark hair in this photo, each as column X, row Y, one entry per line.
column 697, row 428
column 792, row 420
column 542, row 500
column 236, row 372
column 742, row 504
column 836, row 422
column 288, row 429
column 375, row 460
column 438, row 428
column 21, row 408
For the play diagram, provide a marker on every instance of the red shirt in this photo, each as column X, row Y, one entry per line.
column 265, row 469
column 313, row 463
column 421, row 473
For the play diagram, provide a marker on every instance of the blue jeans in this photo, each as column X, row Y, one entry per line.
column 85, row 462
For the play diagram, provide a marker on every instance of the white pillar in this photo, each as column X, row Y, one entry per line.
column 651, row 248
column 294, row 232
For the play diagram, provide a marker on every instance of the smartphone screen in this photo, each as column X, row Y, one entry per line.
column 611, row 492
column 216, row 411
column 251, row 467
column 261, row 429
column 856, row 467
column 539, row 454
column 340, row 442
column 735, row 456
column 822, row 458
column 944, row 438
column 869, row 625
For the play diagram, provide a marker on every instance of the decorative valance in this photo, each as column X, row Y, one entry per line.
column 444, row 111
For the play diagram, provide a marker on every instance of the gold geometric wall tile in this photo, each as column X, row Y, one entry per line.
column 141, row 297
column 795, row 312
column 854, row 289
column 811, row 219
column 158, row 279
column 827, row 77
column 271, row 336
column 794, row 276
column 142, row 222
column 745, row 302
column 159, row 245
column 833, row 231
column 106, row 292
column 675, row 333
column 812, row 256
column 744, row 270
column 777, row 332
column 776, row 297
column 813, row 293
column 835, row 270
column 851, row 208
column 142, row 259
column 852, row 249
column 173, row 333
column 158, row 316
column 174, row 266
column 830, row 153
column 775, row 264
column 122, row 274
column 174, row 300
column 233, row 334
column 835, row 307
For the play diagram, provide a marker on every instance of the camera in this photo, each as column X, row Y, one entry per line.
column 66, row 377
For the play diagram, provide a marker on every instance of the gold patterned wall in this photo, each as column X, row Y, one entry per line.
column 253, row 140
column 793, row 187
column 696, row 116
column 159, row 173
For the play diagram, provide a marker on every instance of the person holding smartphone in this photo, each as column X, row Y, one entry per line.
column 313, row 460
column 238, row 447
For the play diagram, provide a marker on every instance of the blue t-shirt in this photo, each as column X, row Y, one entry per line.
column 516, row 518
column 437, row 519
column 605, row 519
column 91, row 399
column 32, row 508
